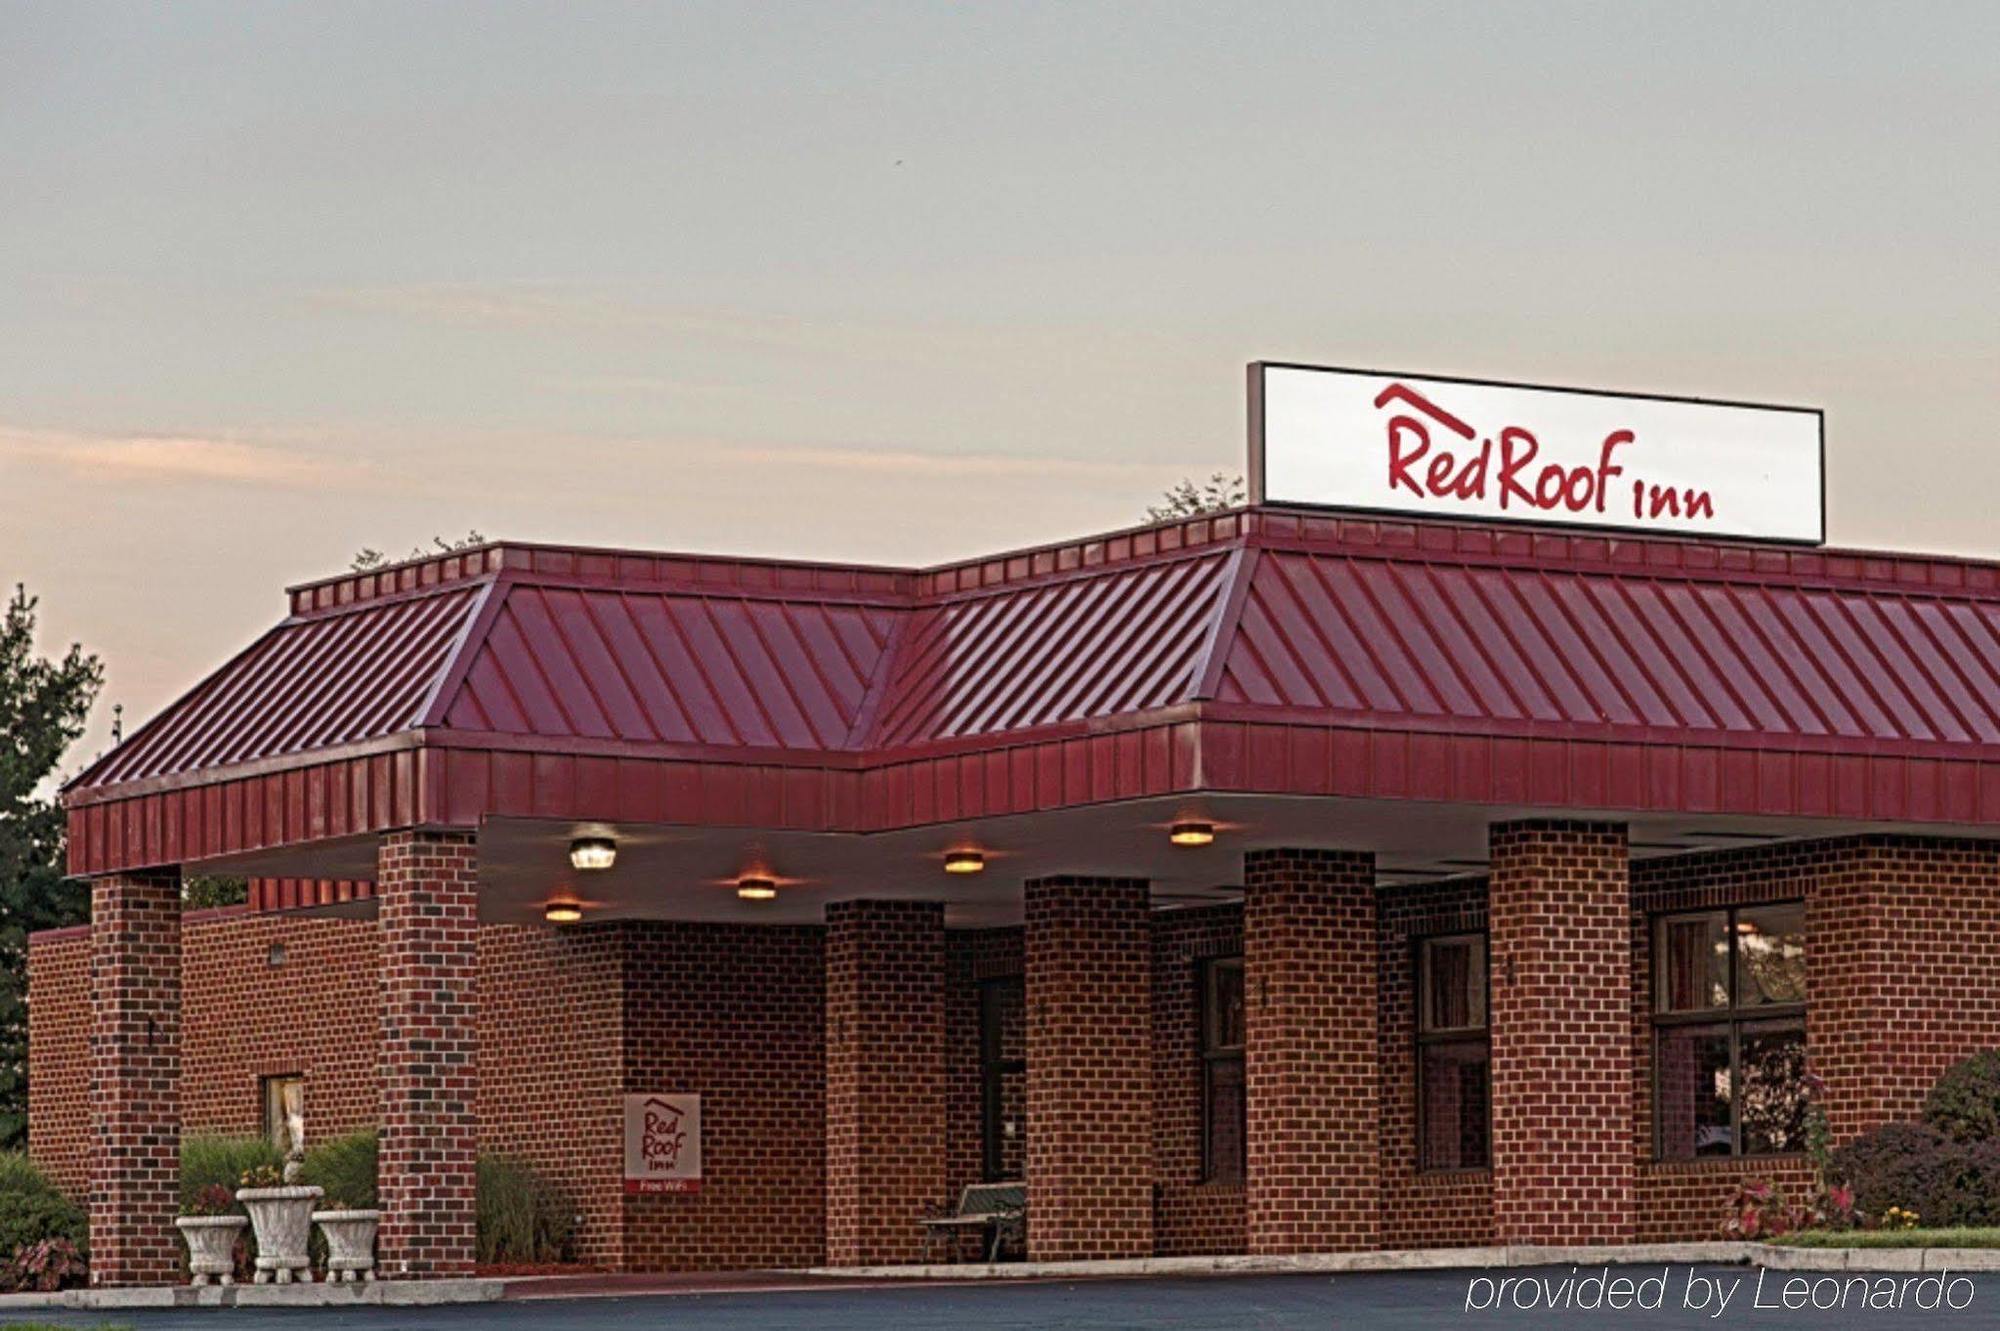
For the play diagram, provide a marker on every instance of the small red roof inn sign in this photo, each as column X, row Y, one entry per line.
column 663, row 1143
column 1465, row 448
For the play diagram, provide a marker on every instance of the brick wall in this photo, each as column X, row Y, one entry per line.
column 427, row 894
column 59, row 1056
column 1090, row 1088
column 551, row 1067
column 737, row 1015
column 885, row 1078
column 1310, row 953
column 135, row 1078
column 1903, row 971
column 1559, row 904
column 1190, row 1216
column 1437, row 1208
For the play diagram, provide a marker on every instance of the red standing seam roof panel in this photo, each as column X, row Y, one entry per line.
column 307, row 684
column 669, row 668
column 1380, row 640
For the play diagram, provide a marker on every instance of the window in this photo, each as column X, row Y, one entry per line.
column 1223, row 1127
column 285, row 1112
column 1729, row 1032
column 1003, row 1078
column 1454, row 1053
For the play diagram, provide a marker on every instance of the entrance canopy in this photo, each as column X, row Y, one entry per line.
column 1396, row 678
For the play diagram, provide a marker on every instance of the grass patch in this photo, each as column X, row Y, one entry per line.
column 1893, row 1238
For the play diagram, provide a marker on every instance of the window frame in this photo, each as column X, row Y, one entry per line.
column 1481, row 1034
column 1212, row 1054
column 1733, row 1019
column 268, row 1083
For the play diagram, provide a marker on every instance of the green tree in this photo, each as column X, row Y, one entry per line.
column 367, row 559
column 43, row 707
column 1188, row 500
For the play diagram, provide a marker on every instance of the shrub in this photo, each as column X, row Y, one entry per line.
column 1909, row 1165
column 345, row 1167
column 522, row 1216
column 209, row 1162
column 1965, row 1103
column 44, row 1267
column 32, row 1211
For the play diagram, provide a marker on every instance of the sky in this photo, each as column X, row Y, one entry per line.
column 909, row 282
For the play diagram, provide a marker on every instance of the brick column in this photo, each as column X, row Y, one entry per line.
column 1560, row 904
column 885, row 1078
column 135, row 1079
column 427, row 896
column 1311, row 1062
column 1090, row 1076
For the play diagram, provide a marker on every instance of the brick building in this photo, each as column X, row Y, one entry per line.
column 1263, row 882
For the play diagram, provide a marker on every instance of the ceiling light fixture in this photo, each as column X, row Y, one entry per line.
column 1192, row 834
column 592, row 852
column 562, row 912
column 964, row 861
column 756, row 889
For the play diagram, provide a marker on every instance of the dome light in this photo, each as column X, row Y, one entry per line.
column 592, row 852
column 964, row 861
column 756, row 889
column 1191, row 834
column 562, row 912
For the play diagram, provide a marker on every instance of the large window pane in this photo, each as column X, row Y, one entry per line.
column 1771, row 955
column 1454, row 984
column 1692, row 957
column 1454, row 1081
column 1773, row 1062
column 1692, row 1064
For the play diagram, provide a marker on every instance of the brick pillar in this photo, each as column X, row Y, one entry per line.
column 1090, row 1075
column 427, row 897
column 1560, row 907
column 885, row 1078
column 1311, row 1062
column 135, row 1079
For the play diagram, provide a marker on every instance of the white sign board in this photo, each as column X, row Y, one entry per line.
column 663, row 1143
column 1460, row 448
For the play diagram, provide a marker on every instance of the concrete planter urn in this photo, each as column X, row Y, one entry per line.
column 350, row 1243
column 282, row 1219
column 211, row 1241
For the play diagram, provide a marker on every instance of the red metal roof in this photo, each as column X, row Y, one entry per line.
column 1248, row 651
column 308, row 684
column 672, row 669
column 1544, row 648
column 1126, row 640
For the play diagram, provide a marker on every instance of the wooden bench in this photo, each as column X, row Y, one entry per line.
column 999, row 1210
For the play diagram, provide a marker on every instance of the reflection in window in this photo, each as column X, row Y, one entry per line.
column 1454, row 1054
column 285, row 1113
column 1729, row 1032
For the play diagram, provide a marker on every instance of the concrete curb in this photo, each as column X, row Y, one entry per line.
column 375, row 1294
column 1772, row 1256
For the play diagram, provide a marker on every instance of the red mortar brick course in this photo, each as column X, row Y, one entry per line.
column 1090, row 1087
column 318, row 1013
column 135, row 1078
column 551, row 1067
column 885, row 1078
column 428, row 911
column 59, row 1057
column 1191, row 1217
column 736, row 1014
column 1560, row 906
column 1421, row 1208
column 1310, row 956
